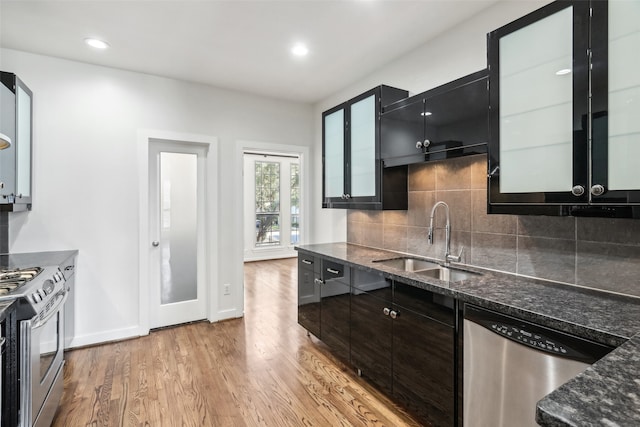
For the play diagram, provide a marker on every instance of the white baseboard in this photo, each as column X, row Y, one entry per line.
column 106, row 336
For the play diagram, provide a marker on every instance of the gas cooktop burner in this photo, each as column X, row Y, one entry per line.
column 11, row 279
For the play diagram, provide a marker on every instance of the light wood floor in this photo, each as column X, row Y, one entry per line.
column 262, row 370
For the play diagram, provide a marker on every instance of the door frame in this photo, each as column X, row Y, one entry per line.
column 145, row 137
column 302, row 152
column 274, row 252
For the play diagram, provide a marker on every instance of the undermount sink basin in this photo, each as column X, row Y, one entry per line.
column 408, row 264
column 427, row 268
column 448, row 274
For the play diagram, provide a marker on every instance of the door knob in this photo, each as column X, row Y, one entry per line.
column 155, row 243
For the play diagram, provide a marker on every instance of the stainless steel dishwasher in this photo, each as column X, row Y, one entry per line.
column 510, row 364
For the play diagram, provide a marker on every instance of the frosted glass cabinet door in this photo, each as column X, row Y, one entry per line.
column 334, row 154
column 623, row 136
column 363, row 148
column 539, row 86
column 536, row 94
column 23, row 143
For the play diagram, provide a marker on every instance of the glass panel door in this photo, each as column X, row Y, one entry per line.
column 536, row 93
column 178, row 231
column 23, row 144
column 624, row 95
column 267, row 203
column 363, row 148
column 334, row 154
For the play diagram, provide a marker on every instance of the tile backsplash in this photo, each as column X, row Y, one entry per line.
column 600, row 253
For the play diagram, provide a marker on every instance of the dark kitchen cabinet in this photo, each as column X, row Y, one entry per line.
column 16, row 104
column 353, row 173
column 309, row 293
column 324, row 302
column 399, row 337
column 335, row 311
column 371, row 328
column 445, row 122
column 565, row 118
column 424, row 370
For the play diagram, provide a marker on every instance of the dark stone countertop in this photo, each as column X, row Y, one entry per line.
column 607, row 393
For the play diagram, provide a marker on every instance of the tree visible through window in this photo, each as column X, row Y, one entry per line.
column 267, row 203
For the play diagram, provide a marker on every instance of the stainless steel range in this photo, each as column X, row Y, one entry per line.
column 40, row 294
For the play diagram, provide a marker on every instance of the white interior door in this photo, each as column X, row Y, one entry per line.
column 177, row 229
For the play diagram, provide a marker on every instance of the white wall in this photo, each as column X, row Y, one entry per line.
column 453, row 54
column 86, row 122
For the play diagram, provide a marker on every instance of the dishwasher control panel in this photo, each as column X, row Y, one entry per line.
column 537, row 336
column 529, row 338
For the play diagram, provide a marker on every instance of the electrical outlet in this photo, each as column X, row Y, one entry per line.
column 227, row 289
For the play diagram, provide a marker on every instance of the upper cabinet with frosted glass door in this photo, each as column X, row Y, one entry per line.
column 16, row 110
column 565, row 111
column 353, row 176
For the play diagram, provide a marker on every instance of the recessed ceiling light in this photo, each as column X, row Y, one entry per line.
column 563, row 72
column 426, row 113
column 300, row 49
column 98, row 44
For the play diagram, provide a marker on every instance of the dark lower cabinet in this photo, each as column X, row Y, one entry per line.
column 335, row 310
column 400, row 338
column 371, row 335
column 309, row 293
column 423, row 367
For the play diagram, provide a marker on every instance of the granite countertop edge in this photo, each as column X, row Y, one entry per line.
column 605, row 394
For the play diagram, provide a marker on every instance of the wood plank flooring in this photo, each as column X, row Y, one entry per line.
column 262, row 370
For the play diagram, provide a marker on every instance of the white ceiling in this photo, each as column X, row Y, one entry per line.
column 236, row 44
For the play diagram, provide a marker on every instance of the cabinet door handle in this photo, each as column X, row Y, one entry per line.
column 394, row 314
column 306, row 261
column 332, row 271
column 386, row 311
column 318, row 281
column 577, row 190
column 597, row 190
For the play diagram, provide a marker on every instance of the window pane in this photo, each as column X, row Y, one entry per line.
column 295, row 203
column 267, row 203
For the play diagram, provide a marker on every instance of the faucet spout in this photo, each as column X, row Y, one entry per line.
column 447, row 251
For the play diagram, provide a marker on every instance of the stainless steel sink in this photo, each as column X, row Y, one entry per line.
column 408, row 264
column 448, row 274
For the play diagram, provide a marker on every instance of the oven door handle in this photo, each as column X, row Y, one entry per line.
column 53, row 312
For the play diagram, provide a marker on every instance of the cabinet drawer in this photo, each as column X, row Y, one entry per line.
column 332, row 270
column 429, row 304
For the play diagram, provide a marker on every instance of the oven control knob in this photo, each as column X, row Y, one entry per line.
column 47, row 287
column 42, row 294
column 36, row 297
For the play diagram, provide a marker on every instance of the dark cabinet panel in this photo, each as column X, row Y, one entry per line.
column 424, row 367
column 445, row 122
column 309, row 293
column 371, row 336
column 436, row 306
column 335, row 312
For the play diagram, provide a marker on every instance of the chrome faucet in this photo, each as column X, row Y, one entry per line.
column 447, row 229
